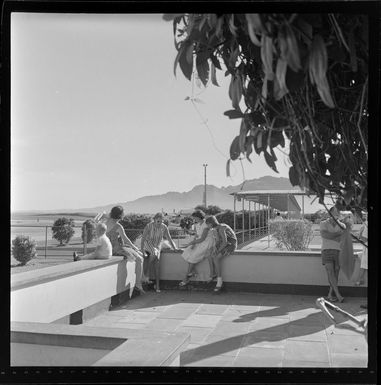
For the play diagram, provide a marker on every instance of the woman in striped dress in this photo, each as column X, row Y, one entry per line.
column 152, row 239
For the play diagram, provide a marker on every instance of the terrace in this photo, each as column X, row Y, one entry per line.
column 86, row 305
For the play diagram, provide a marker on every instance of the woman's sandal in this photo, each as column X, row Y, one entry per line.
column 331, row 299
column 183, row 283
column 157, row 290
column 211, row 279
column 190, row 275
column 140, row 290
column 217, row 289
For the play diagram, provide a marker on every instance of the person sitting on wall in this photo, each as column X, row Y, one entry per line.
column 203, row 246
column 103, row 249
column 226, row 243
column 122, row 245
column 152, row 241
column 331, row 234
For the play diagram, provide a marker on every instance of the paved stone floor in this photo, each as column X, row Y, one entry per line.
column 247, row 329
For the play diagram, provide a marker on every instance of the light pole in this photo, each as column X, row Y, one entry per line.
column 205, row 165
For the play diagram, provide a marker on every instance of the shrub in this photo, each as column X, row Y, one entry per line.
column 63, row 229
column 210, row 210
column 90, row 230
column 24, row 249
column 291, row 234
column 186, row 223
column 133, row 223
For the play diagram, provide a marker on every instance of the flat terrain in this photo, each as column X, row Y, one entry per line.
column 247, row 329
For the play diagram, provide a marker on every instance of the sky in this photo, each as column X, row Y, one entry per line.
column 98, row 116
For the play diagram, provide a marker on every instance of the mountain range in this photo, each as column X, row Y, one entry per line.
column 177, row 201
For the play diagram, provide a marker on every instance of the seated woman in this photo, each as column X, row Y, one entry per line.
column 152, row 240
column 201, row 247
column 226, row 243
column 121, row 244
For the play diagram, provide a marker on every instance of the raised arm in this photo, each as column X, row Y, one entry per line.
column 125, row 239
column 169, row 238
column 202, row 238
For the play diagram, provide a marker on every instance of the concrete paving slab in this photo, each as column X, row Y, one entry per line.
column 347, row 344
column 307, row 333
column 265, row 340
column 177, row 312
column 259, row 357
column 228, row 329
column 340, row 360
column 304, row 364
column 306, row 351
column 168, row 325
column 222, row 345
column 202, row 320
column 198, row 335
column 140, row 317
column 212, row 309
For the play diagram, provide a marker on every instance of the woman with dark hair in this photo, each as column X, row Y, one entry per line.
column 202, row 246
column 226, row 243
column 121, row 244
column 152, row 240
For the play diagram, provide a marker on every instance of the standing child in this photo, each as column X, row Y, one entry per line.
column 103, row 249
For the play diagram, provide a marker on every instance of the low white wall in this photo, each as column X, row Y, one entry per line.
column 46, row 295
column 283, row 267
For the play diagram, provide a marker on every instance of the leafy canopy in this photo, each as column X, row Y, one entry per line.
column 301, row 77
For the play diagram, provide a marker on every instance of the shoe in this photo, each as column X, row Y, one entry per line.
column 211, row 279
column 156, row 289
column 217, row 289
column 140, row 289
column 341, row 300
column 75, row 257
column 183, row 283
column 331, row 299
column 190, row 275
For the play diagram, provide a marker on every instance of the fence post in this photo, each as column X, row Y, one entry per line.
column 46, row 239
column 84, row 239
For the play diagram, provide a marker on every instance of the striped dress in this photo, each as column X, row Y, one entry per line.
column 153, row 236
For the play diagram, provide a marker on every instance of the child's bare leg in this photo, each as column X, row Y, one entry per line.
column 92, row 255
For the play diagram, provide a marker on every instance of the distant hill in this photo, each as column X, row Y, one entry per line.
column 184, row 200
column 187, row 200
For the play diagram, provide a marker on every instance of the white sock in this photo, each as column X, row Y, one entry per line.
column 219, row 281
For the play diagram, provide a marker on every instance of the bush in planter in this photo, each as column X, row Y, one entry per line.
column 24, row 249
column 291, row 234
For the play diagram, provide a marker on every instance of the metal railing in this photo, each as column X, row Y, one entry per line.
column 251, row 235
column 51, row 247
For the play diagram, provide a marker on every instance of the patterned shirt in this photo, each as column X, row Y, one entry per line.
column 153, row 236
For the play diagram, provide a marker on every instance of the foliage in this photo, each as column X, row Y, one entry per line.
column 24, row 249
column 210, row 210
column 90, row 225
column 186, row 223
column 300, row 77
column 63, row 229
column 133, row 222
column 292, row 234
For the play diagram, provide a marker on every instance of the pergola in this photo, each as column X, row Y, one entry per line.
column 281, row 200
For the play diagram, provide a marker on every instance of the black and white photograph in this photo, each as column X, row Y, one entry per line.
column 190, row 189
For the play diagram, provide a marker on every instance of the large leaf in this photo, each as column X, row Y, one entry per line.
column 249, row 146
column 202, row 66
column 293, row 176
column 270, row 161
column 244, row 129
column 257, row 118
column 277, row 139
column 213, row 76
column 235, row 91
column 233, row 114
column 228, row 168
column 234, row 149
